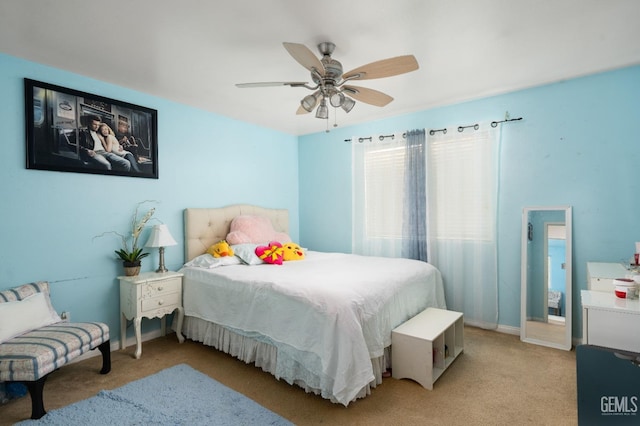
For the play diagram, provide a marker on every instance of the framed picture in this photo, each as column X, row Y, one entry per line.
column 73, row 131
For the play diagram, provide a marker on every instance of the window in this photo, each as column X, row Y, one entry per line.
column 462, row 175
column 383, row 187
column 461, row 171
column 377, row 193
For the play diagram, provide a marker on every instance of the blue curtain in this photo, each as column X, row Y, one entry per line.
column 414, row 220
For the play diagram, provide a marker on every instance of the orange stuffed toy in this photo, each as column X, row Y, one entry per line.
column 220, row 249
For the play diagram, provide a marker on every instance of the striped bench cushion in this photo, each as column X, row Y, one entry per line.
column 35, row 354
column 26, row 290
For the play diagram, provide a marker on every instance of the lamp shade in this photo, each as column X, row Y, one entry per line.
column 160, row 237
column 308, row 102
column 322, row 111
column 347, row 104
column 336, row 99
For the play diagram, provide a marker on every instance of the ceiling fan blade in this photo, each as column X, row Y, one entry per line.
column 368, row 96
column 384, row 68
column 272, row 83
column 301, row 111
column 304, row 56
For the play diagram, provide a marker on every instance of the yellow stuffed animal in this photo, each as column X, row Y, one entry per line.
column 220, row 249
column 292, row 251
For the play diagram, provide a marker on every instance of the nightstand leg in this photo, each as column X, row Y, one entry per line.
column 179, row 325
column 136, row 323
column 123, row 331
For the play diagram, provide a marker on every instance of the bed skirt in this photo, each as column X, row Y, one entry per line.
column 265, row 355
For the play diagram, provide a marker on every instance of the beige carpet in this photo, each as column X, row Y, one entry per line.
column 498, row 380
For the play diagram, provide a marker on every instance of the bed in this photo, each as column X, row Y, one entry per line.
column 323, row 323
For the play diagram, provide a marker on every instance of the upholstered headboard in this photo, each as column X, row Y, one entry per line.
column 204, row 227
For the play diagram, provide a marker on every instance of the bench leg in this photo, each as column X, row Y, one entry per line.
column 36, row 390
column 105, row 350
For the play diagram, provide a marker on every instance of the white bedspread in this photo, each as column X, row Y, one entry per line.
column 330, row 312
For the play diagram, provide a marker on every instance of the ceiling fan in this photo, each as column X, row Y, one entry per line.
column 330, row 82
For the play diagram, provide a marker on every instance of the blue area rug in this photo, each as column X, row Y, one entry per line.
column 178, row 395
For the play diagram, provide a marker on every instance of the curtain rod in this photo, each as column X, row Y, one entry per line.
column 380, row 138
column 475, row 126
column 444, row 130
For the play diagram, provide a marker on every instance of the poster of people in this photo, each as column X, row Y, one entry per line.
column 73, row 131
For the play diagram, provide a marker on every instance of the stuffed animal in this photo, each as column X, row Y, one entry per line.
column 292, row 251
column 220, row 249
column 271, row 253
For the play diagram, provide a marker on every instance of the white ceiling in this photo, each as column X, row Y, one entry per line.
column 194, row 51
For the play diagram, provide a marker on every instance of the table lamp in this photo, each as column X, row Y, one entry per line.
column 160, row 237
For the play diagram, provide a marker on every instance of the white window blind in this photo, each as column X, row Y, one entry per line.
column 377, row 194
column 384, row 182
column 461, row 170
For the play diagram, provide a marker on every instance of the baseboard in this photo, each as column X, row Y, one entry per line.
column 507, row 329
column 115, row 345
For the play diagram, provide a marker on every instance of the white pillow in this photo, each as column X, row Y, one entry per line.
column 24, row 315
column 247, row 252
column 209, row 262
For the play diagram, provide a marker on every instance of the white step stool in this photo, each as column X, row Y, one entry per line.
column 423, row 347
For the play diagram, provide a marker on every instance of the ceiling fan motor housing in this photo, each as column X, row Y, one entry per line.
column 332, row 68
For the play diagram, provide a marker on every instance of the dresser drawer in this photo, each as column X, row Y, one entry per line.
column 160, row 287
column 618, row 330
column 163, row 301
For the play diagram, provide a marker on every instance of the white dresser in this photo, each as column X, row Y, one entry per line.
column 609, row 321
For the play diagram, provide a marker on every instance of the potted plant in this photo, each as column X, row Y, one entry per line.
column 131, row 260
column 131, row 254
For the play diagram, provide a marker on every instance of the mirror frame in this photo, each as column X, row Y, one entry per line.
column 567, row 341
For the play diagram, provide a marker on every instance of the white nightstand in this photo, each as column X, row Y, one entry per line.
column 149, row 295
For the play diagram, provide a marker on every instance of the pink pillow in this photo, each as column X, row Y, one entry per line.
column 255, row 230
column 272, row 253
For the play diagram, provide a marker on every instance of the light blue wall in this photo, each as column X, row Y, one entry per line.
column 577, row 145
column 48, row 219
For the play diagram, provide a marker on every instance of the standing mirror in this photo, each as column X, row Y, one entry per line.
column 546, row 276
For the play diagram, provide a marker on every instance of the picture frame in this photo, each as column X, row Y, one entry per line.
column 72, row 131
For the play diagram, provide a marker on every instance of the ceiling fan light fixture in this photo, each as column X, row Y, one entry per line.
column 336, row 99
column 308, row 102
column 322, row 111
column 347, row 104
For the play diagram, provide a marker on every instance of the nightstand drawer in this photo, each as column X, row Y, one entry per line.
column 159, row 287
column 164, row 301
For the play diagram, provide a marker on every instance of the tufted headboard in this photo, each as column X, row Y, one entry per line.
column 204, row 227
